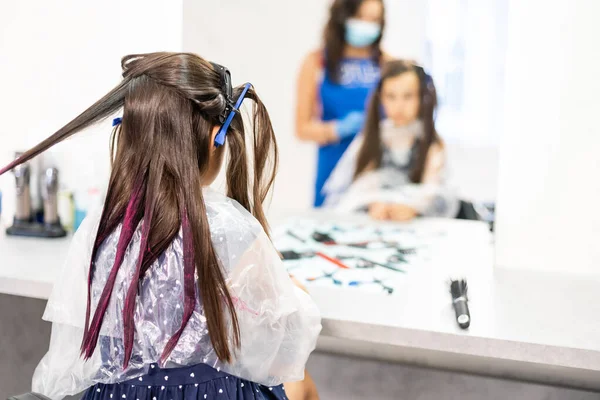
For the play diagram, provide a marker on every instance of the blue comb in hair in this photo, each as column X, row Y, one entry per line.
column 220, row 138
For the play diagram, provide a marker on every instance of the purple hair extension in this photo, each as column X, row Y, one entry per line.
column 9, row 166
column 129, row 225
column 188, row 282
column 128, row 309
column 100, row 238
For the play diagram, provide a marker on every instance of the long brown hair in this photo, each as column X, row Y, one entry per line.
column 371, row 151
column 171, row 102
column 334, row 35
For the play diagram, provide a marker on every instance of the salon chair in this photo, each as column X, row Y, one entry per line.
column 477, row 212
column 467, row 211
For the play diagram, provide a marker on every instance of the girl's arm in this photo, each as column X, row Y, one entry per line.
column 434, row 166
column 279, row 322
column 308, row 126
column 302, row 390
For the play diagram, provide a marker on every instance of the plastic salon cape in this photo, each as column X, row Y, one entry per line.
column 279, row 323
column 390, row 183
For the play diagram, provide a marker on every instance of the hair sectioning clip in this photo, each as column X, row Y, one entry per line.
column 421, row 71
column 230, row 109
column 226, row 89
column 428, row 81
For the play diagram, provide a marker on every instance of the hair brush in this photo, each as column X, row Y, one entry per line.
column 458, row 290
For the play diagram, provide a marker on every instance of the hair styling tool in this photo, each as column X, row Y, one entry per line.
column 458, row 290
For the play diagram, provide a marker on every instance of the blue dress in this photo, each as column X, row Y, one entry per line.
column 197, row 382
column 358, row 77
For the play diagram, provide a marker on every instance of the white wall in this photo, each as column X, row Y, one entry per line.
column 264, row 41
column 53, row 62
column 549, row 190
column 56, row 59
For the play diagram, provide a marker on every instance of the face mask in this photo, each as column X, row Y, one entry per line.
column 361, row 33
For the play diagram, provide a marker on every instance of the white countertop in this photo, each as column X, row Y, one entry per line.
column 528, row 325
column 29, row 266
column 525, row 324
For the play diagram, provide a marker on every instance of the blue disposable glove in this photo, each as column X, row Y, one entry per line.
column 351, row 124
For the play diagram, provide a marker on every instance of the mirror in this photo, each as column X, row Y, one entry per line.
column 447, row 91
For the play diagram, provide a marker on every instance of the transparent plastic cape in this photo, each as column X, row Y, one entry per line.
column 279, row 323
column 387, row 184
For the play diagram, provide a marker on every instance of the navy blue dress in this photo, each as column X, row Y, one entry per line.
column 188, row 383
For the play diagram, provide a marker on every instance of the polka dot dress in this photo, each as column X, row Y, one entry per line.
column 189, row 383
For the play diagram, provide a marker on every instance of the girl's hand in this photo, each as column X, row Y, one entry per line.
column 379, row 211
column 400, row 212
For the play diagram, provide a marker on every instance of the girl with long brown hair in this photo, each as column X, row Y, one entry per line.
column 173, row 291
column 395, row 169
column 335, row 81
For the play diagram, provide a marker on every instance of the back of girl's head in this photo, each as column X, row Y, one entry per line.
column 162, row 154
column 371, row 151
column 334, row 35
column 170, row 106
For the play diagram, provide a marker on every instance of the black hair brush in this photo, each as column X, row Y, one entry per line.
column 458, row 290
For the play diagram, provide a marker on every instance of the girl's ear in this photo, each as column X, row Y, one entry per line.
column 213, row 135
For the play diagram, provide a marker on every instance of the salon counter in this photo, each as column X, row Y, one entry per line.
column 526, row 325
column 29, row 266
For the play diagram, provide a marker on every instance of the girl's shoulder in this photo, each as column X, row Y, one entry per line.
column 387, row 57
column 229, row 221
column 436, row 155
column 233, row 229
column 438, row 146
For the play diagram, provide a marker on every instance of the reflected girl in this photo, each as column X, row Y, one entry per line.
column 396, row 169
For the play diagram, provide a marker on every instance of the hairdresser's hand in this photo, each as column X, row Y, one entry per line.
column 400, row 212
column 350, row 124
column 379, row 211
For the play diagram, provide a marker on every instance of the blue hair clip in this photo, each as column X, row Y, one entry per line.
column 220, row 138
column 117, row 121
